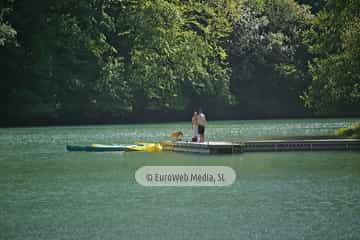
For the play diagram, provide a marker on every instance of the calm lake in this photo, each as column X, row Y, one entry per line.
column 48, row 193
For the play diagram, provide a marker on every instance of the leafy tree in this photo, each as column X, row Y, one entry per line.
column 316, row 5
column 93, row 59
column 268, row 57
column 84, row 58
column 7, row 32
column 334, row 41
column 68, row 65
column 171, row 62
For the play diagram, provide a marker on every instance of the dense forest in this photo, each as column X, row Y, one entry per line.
column 110, row 61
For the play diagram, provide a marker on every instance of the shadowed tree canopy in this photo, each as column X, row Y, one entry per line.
column 90, row 61
column 268, row 57
column 334, row 40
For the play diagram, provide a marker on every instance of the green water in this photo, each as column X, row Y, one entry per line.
column 48, row 193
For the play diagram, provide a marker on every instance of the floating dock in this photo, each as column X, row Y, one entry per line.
column 262, row 146
column 204, row 147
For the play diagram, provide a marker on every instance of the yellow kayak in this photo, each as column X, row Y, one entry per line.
column 146, row 147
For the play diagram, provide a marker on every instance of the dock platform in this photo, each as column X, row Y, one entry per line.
column 204, row 147
column 262, row 146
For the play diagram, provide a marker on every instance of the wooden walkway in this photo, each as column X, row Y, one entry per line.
column 262, row 146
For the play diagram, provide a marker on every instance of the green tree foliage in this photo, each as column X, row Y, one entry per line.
column 105, row 56
column 335, row 42
column 7, row 32
column 349, row 132
column 172, row 61
column 268, row 57
column 316, row 5
column 160, row 55
column 63, row 53
column 92, row 59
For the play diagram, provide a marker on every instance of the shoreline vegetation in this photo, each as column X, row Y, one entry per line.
column 349, row 132
column 106, row 62
column 352, row 132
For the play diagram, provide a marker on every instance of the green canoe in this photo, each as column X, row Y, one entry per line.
column 101, row 148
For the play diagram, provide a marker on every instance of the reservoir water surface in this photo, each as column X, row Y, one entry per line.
column 48, row 193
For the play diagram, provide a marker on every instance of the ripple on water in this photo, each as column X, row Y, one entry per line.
column 48, row 193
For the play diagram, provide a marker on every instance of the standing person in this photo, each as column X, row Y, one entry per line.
column 202, row 123
column 195, row 127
